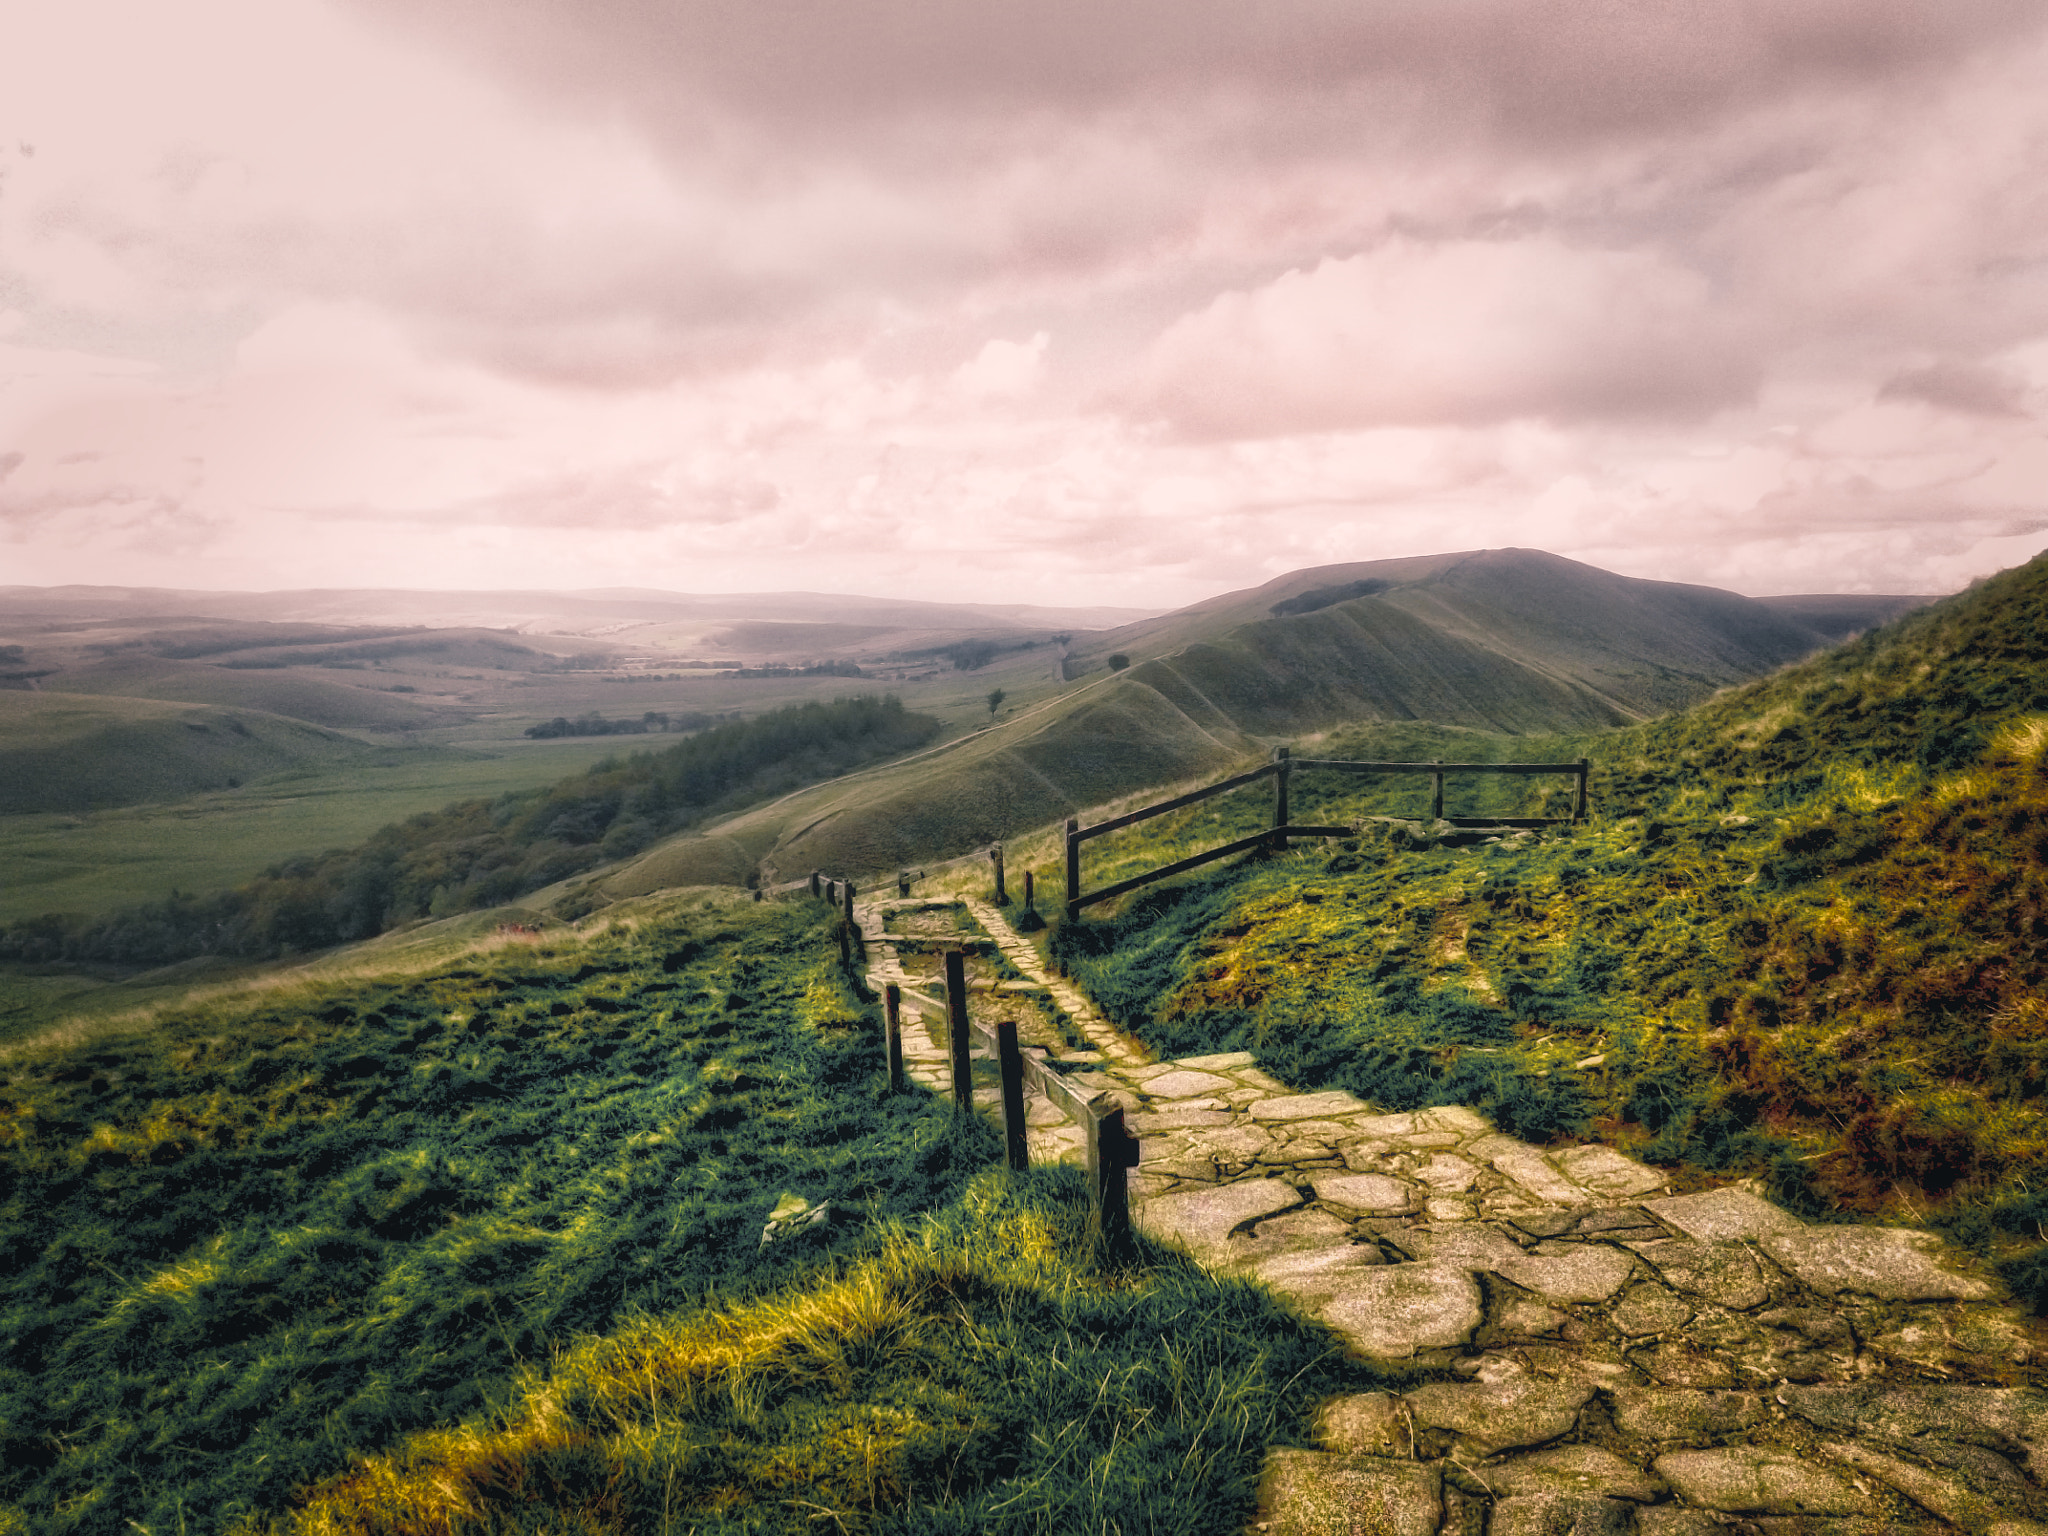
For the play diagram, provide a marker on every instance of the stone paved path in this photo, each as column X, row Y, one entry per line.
column 1615, row 1358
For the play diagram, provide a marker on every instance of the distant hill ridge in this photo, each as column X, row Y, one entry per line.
column 1512, row 640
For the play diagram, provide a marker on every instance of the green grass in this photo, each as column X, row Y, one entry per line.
column 96, row 860
column 359, row 1255
column 1801, row 936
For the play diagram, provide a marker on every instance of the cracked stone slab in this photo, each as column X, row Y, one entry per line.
column 1489, row 1418
column 1324, row 1493
column 1649, row 1308
column 1561, row 1514
column 1533, row 1172
column 1393, row 1311
column 1586, row 1275
column 1723, row 1215
column 1581, row 1469
column 1448, row 1174
column 1374, row 1193
column 1605, row 1171
column 2008, row 1420
column 1203, row 1219
column 1755, row 1480
column 1663, row 1413
column 1366, row 1424
column 1724, row 1273
column 1890, row 1263
column 1314, row 1277
column 1308, row 1106
column 1945, row 1496
column 1183, row 1085
column 1218, row 1063
column 1469, row 1245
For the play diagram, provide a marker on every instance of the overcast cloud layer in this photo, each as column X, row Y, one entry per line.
column 1023, row 300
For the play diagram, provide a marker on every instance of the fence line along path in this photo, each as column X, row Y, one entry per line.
column 1281, row 771
column 1615, row 1359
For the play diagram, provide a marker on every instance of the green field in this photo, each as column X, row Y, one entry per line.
column 478, row 1243
column 93, row 861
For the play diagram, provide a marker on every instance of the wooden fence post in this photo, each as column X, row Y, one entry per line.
column 1436, row 803
column 1111, row 1152
column 849, row 904
column 1002, row 895
column 1073, row 870
column 1030, row 892
column 817, row 888
column 1280, row 756
column 903, row 883
column 956, row 1017
column 1010, row 1061
column 892, row 1009
column 1579, row 804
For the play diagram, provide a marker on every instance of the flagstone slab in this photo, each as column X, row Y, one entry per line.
column 1723, row 1215
column 1890, row 1263
column 1394, row 1311
column 1217, row 1063
column 1371, row 1192
column 1724, row 1273
column 1313, row 1277
column 1756, row 1480
column 1581, row 1469
column 1587, row 1274
column 1605, row 1171
column 1449, row 1174
column 1470, row 1245
column 1491, row 1417
column 1203, row 1219
column 1666, row 1413
column 1533, row 1172
column 1185, row 1085
column 1308, row 1106
column 1324, row 1493
column 1563, row 1514
column 1366, row 1424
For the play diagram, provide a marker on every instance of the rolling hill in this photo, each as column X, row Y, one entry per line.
column 1513, row 641
column 74, row 752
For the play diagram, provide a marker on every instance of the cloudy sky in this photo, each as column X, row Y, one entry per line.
column 1117, row 301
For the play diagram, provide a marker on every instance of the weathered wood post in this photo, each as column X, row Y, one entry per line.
column 892, row 1010
column 817, row 888
column 1030, row 892
column 847, row 895
column 1111, row 1152
column 1282, row 756
column 956, row 1017
column 1010, row 1061
column 903, row 883
column 1073, row 870
column 1436, row 803
column 1579, row 803
column 1002, row 895
column 845, row 946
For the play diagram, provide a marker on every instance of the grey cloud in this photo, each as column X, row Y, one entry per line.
column 1562, row 66
column 1974, row 389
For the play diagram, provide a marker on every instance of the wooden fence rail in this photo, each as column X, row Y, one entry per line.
column 1281, row 770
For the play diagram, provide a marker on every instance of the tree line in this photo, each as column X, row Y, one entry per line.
column 483, row 852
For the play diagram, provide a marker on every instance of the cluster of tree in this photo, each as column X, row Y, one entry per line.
column 654, row 721
column 814, row 669
column 479, row 853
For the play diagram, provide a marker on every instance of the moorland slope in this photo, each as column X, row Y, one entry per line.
column 1502, row 640
column 1805, row 934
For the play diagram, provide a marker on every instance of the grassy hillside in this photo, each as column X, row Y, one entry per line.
column 483, row 1241
column 322, row 700
column 73, row 752
column 1638, row 647
column 1803, row 934
column 1504, row 640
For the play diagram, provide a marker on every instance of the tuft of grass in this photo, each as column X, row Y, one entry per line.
column 971, row 1371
